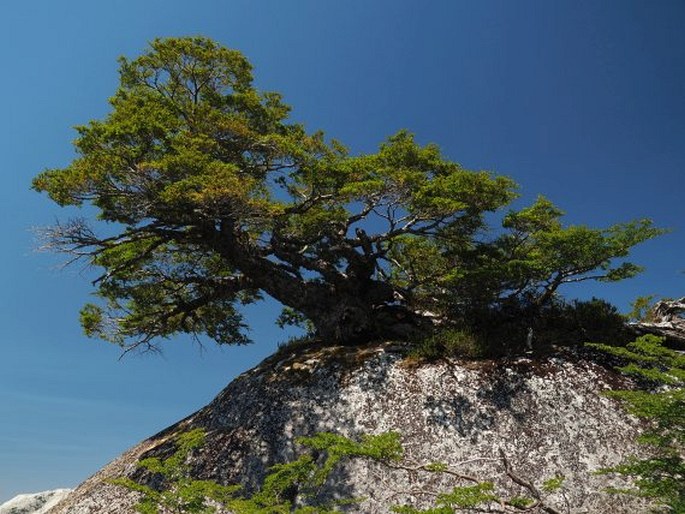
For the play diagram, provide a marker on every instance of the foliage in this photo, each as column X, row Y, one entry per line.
column 571, row 323
column 294, row 487
column 534, row 255
column 521, row 502
column 291, row 317
column 295, row 343
column 516, row 327
column 448, row 342
column 286, row 488
column 383, row 447
column 661, row 401
column 183, row 494
column 211, row 198
column 642, row 309
column 553, row 484
column 458, row 498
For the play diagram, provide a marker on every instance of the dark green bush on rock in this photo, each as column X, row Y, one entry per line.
column 517, row 328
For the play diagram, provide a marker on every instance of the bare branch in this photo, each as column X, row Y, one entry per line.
column 526, row 484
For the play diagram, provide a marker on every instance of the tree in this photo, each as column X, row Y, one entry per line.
column 288, row 487
column 661, row 402
column 296, row 486
column 211, row 198
column 182, row 493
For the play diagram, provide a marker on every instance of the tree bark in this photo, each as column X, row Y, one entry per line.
column 354, row 309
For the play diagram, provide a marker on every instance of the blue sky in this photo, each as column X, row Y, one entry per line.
column 579, row 100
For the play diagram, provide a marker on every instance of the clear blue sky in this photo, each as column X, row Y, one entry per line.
column 580, row 100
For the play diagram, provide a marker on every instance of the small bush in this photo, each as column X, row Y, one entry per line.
column 574, row 323
column 642, row 309
column 450, row 342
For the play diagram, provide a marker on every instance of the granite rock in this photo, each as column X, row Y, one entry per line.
column 545, row 415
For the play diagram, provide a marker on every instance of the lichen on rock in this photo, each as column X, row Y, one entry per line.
column 545, row 415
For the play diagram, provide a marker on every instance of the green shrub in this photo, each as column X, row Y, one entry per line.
column 518, row 327
column 449, row 342
column 661, row 402
column 294, row 487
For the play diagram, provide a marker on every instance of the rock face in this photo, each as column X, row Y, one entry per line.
column 36, row 503
column 545, row 416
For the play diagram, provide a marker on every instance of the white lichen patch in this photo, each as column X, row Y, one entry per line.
column 547, row 417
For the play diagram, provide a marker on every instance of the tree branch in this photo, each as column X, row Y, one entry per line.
column 534, row 492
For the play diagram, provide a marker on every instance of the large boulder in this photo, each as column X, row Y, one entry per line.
column 33, row 503
column 516, row 422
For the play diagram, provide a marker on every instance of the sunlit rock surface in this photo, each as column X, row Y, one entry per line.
column 546, row 416
column 35, row 503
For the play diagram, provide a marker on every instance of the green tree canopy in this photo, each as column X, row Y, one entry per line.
column 213, row 198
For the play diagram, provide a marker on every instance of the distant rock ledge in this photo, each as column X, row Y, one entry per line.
column 35, row 503
column 545, row 414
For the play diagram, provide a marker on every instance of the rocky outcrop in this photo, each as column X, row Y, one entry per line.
column 665, row 319
column 34, row 503
column 497, row 420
